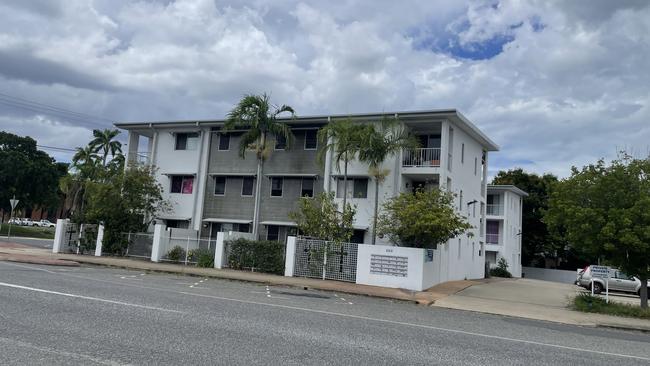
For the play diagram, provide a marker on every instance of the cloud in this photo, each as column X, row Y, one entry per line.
column 554, row 83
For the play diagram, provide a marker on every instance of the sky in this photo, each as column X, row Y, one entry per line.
column 554, row 83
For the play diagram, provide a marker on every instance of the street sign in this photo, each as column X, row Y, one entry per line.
column 600, row 272
column 13, row 202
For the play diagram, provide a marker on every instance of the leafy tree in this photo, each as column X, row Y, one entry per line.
column 379, row 141
column 604, row 210
column 319, row 217
column 104, row 141
column 85, row 162
column 128, row 201
column 343, row 139
column 537, row 242
column 423, row 219
column 258, row 116
column 28, row 173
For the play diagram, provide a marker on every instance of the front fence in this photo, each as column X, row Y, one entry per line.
column 80, row 238
column 325, row 260
column 139, row 244
column 184, row 249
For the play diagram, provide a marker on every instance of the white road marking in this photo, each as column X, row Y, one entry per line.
column 87, row 298
column 58, row 352
column 424, row 326
column 29, row 267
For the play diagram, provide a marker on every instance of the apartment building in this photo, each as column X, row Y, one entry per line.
column 503, row 226
column 212, row 189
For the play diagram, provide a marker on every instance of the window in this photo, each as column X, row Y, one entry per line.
column 307, row 187
column 460, row 200
column 280, row 142
column 272, row 233
column 276, row 187
column 182, row 184
column 473, row 249
column 311, row 139
column 475, row 165
column 219, row 186
column 356, row 188
column 244, row 228
column 187, row 141
column 462, row 153
column 492, row 232
column 224, row 142
column 460, row 246
column 247, row 186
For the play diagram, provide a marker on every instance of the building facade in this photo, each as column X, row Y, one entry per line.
column 503, row 226
column 213, row 189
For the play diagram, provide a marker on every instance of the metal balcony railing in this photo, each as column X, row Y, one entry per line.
column 494, row 209
column 422, row 157
column 492, row 238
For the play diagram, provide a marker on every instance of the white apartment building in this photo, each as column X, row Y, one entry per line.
column 503, row 226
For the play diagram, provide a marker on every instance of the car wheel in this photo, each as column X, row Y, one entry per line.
column 598, row 288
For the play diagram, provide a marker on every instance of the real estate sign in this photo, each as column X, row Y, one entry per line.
column 601, row 272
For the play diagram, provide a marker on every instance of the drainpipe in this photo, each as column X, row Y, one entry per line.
column 328, row 165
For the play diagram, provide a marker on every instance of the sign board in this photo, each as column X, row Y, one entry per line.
column 429, row 255
column 600, row 272
column 13, row 202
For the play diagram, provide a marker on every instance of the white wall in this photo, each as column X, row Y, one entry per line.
column 547, row 274
column 418, row 269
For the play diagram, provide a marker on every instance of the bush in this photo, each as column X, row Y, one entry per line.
column 501, row 270
column 595, row 304
column 260, row 256
column 176, row 254
column 202, row 257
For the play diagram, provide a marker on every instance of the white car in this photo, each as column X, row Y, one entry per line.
column 44, row 223
column 618, row 281
column 26, row 222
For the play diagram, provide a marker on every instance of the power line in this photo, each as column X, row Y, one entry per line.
column 52, row 107
column 63, row 149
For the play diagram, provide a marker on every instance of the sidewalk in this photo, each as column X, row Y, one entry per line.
column 523, row 298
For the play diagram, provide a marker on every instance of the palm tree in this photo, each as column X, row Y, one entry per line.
column 381, row 141
column 259, row 117
column 85, row 161
column 104, row 141
column 343, row 139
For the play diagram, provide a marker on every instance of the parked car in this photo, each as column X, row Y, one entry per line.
column 44, row 223
column 618, row 282
column 14, row 221
column 26, row 222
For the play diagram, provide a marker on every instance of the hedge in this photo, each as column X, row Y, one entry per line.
column 258, row 256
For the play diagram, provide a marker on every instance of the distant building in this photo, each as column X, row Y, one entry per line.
column 503, row 230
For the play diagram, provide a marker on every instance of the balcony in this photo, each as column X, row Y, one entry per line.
column 491, row 238
column 421, row 158
column 494, row 209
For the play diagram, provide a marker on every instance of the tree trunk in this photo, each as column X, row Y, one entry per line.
column 374, row 218
column 258, row 187
column 643, row 293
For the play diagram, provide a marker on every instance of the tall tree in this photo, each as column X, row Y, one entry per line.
column 343, row 139
column 604, row 210
column 320, row 217
column 379, row 142
column 104, row 142
column 258, row 117
column 536, row 241
column 26, row 172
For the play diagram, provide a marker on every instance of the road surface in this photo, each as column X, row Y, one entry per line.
column 97, row 315
column 32, row 242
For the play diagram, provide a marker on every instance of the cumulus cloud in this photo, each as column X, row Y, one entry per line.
column 554, row 83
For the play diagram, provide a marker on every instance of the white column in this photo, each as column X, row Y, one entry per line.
column 100, row 239
column 290, row 256
column 219, row 251
column 59, row 234
column 327, row 173
column 132, row 148
column 158, row 232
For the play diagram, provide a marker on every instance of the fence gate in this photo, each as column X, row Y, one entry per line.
column 325, row 260
column 71, row 238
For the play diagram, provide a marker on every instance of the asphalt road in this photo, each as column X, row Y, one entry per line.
column 32, row 242
column 96, row 315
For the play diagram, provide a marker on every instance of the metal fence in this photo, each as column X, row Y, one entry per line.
column 80, row 238
column 421, row 157
column 184, row 249
column 139, row 244
column 326, row 260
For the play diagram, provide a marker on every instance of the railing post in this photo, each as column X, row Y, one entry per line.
column 99, row 241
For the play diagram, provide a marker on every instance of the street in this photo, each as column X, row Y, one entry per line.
column 96, row 315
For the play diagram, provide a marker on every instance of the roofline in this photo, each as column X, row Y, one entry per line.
column 452, row 114
column 507, row 187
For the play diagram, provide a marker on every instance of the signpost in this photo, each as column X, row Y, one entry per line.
column 13, row 202
column 601, row 272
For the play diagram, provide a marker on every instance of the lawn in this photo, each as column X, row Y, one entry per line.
column 593, row 304
column 28, row 231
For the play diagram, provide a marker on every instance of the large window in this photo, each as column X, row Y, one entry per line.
column 219, row 186
column 182, row 184
column 356, row 188
column 187, row 141
column 247, row 186
column 280, row 142
column 307, row 189
column 272, row 233
column 492, row 232
column 224, row 142
column 276, row 187
column 311, row 139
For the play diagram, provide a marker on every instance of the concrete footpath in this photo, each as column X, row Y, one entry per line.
column 524, row 298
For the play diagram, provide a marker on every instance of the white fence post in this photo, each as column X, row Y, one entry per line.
column 59, row 235
column 219, row 250
column 290, row 256
column 100, row 239
column 158, row 232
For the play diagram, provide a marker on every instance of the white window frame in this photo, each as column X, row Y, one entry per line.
column 281, row 189
column 225, row 184
column 313, row 185
column 221, row 135
column 267, row 233
column 242, row 187
column 305, row 144
column 198, row 136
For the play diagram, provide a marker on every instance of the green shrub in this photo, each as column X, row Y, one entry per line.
column 202, row 257
column 595, row 304
column 176, row 254
column 501, row 269
column 259, row 256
